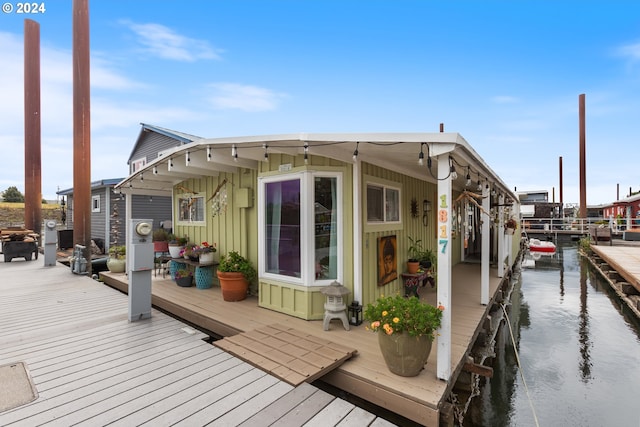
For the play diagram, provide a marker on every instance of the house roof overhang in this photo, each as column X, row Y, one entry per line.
column 395, row 151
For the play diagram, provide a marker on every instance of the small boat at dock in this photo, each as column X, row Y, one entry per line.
column 537, row 245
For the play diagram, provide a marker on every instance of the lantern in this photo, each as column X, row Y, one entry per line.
column 355, row 313
column 334, row 307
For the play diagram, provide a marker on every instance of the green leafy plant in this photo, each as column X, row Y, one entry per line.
column 397, row 314
column 118, row 251
column 415, row 249
column 175, row 240
column 183, row 272
column 160, row 235
column 233, row 262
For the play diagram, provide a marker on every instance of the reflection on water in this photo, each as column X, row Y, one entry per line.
column 578, row 348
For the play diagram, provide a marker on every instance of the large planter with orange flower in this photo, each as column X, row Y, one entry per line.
column 406, row 329
column 404, row 355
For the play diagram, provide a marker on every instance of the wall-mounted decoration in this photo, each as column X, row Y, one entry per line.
column 387, row 259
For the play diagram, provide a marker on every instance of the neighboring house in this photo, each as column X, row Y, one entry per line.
column 310, row 209
column 103, row 200
column 624, row 209
column 150, row 144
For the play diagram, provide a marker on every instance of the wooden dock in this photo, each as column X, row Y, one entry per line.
column 422, row 399
column 89, row 366
column 619, row 264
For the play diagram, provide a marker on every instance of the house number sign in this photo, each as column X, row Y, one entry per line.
column 443, row 217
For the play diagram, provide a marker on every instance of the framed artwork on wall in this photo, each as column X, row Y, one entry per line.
column 387, row 259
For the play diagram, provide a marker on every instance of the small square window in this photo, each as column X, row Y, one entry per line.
column 383, row 204
column 95, row 203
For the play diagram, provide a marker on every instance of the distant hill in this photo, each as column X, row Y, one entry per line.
column 12, row 214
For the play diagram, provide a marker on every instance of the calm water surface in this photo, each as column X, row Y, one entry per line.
column 579, row 348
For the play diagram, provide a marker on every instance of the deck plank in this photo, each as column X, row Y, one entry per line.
column 91, row 366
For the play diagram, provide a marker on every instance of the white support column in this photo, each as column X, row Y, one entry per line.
column 486, row 236
column 501, row 236
column 443, row 218
column 357, row 233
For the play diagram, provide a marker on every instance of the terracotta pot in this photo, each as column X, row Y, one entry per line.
column 161, row 246
column 412, row 267
column 234, row 286
column 404, row 355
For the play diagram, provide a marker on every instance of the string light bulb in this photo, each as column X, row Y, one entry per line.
column 234, row 153
column 306, row 154
column 141, row 177
column 468, row 177
column 266, row 155
column 155, row 170
column 421, row 155
column 208, row 153
column 355, row 152
column 187, row 158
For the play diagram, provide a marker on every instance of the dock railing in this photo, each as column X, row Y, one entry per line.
column 573, row 225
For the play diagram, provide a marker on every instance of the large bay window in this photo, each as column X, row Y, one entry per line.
column 301, row 231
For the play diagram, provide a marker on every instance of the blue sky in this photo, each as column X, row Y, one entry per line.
column 506, row 75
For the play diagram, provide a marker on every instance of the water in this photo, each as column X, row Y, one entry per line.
column 579, row 349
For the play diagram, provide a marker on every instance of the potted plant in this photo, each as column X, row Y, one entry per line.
column 184, row 277
column 235, row 272
column 511, row 225
column 176, row 244
column 190, row 252
column 160, row 240
column 117, row 259
column 407, row 328
column 413, row 253
column 205, row 252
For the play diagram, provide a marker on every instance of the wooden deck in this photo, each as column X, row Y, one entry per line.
column 365, row 375
column 90, row 366
column 625, row 259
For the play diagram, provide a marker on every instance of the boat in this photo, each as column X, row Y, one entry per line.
column 537, row 245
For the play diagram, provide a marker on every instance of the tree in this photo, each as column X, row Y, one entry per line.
column 12, row 195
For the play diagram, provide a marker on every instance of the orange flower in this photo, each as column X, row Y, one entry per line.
column 396, row 320
column 384, row 313
column 388, row 329
column 375, row 325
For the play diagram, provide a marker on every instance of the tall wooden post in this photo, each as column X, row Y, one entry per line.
column 583, row 157
column 32, row 132
column 81, row 129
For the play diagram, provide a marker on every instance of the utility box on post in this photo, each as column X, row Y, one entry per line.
column 50, row 242
column 140, row 265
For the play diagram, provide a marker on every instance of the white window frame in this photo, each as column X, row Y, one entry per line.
column 180, row 219
column 138, row 164
column 307, row 225
column 385, row 189
column 95, row 203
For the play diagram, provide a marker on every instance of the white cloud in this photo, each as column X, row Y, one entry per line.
column 165, row 43
column 504, row 99
column 244, row 97
column 631, row 51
